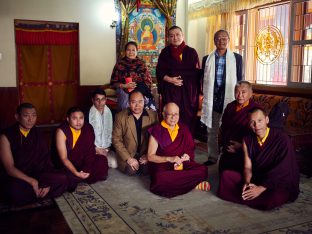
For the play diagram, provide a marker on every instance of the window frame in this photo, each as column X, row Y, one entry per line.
column 294, row 43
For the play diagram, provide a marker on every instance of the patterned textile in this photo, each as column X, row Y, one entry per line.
column 124, row 204
column 134, row 68
column 299, row 121
column 220, row 64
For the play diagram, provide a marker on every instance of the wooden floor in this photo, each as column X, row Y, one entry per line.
column 46, row 220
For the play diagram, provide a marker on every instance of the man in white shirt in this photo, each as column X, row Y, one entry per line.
column 100, row 117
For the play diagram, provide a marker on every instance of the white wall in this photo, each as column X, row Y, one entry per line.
column 97, row 39
column 197, row 35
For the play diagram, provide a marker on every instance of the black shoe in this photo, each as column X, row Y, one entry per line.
column 209, row 163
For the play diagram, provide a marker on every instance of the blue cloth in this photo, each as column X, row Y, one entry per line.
column 220, row 64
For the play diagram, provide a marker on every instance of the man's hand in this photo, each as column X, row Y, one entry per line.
column 185, row 157
column 233, row 147
column 101, row 151
column 176, row 80
column 130, row 85
column 251, row 191
column 176, row 160
column 82, row 174
column 40, row 192
column 133, row 163
column 43, row 192
column 143, row 159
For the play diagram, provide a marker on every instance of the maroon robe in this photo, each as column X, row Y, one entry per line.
column 187, row 95
column 31, row 155
column 83, row 155
column 165, row 181
column 274, row 166
column 235, row 125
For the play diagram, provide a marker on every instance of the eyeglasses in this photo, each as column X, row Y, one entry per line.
column 140, row 102
column 172, row 115
column 221, row 39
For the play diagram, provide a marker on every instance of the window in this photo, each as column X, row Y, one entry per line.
column 240, row 31
column 276, row 43
column 301, row 43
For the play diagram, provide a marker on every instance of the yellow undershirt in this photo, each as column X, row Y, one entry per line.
column 76, row 134
column 174, row 132
column 181, row 57
column 240, row 107
column 261, row 141
column 24, row 132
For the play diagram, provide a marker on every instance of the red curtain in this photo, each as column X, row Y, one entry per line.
column 47, row 67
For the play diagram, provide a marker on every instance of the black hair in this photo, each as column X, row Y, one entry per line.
column 175, row 27
column 98, row 91
column 133, row 92
column 24, row 105
column 73, row 110
column 219, row 31
column 131, row 43
column 255, row 109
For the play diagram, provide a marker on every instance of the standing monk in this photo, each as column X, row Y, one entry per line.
column 271, row 176
column 178, row 76
column 171, row 157
column 27, row 161
column 76, row 149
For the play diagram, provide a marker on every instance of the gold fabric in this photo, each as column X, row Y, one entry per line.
column 228, row 6
column 127, row 6
column 167, row 7
column 172, row 132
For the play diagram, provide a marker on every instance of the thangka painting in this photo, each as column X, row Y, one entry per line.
column 147, row 29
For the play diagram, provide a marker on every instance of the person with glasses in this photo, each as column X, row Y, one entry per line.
column 222, row 70
column 170, row 155
column 130, row 135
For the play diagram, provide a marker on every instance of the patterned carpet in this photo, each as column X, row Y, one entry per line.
column 124, row 204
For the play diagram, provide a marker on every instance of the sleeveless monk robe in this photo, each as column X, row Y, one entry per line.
column 165, row 181
column 31, row 155
column 274, row 166
column 187, row 95
column 83, row 155
column 235, row 125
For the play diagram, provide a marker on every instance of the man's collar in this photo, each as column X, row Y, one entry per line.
column 144, row 113
column 217, row 55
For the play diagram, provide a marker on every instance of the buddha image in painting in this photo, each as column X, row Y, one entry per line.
column 147, row 35
column 147, row 28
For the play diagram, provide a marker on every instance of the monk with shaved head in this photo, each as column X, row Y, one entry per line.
column 171, row 157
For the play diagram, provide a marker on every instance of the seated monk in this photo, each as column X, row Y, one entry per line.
column 234, row 126
column 76, row 149
column 171, row 157
column 270, row 177
column 27, row 161
column 130, row 135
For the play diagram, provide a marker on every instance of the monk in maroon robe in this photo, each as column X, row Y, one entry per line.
column 234, row 126
column 271, row 175
column 172, row 167
column 76, row 149
column 178, row 76
column 26, row 159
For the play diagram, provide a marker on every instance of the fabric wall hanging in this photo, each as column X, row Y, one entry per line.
column 146, row 22
column 47, row 67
